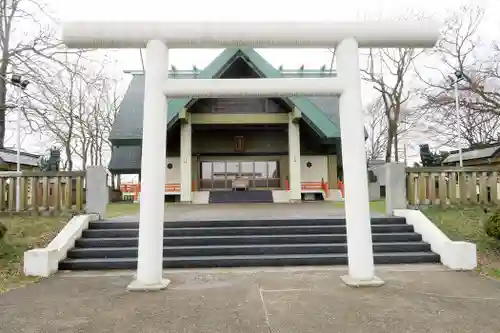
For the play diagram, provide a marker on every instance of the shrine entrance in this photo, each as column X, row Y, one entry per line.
column 219, row 175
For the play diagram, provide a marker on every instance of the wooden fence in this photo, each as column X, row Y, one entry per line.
column 453, row 185
column 54, row 192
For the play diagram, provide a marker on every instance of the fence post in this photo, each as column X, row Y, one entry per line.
column 97, row 191
column 395, row 187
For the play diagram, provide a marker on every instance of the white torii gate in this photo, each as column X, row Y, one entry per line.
column 158, row 37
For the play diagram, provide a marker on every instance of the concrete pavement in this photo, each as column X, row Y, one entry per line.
column 279, row 300
column 246, row 211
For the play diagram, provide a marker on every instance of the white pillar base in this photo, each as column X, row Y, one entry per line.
column 137, row 285
column 355, row 283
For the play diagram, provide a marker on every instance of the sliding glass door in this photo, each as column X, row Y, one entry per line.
column 220, row 174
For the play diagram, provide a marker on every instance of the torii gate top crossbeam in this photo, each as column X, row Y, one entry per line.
column 325, row 34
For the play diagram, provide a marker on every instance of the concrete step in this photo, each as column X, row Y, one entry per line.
column 229, row 250
column 243, row 239
column 235, row 243
column 246, row 223
column 247, row 260
column 255, row 196
column 244, row 230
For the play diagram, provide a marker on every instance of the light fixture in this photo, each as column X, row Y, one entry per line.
column 17, row 80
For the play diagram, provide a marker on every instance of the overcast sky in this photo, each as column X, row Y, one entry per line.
column 265, row 10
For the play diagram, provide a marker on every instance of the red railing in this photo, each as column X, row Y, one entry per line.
column 173, row 187
column 340, row 184
column 310, row 185
column 315, row 186
column 136, row 189
column 128, row 188
column 324, row 185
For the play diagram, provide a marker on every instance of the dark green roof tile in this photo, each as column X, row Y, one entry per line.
column 125, row 159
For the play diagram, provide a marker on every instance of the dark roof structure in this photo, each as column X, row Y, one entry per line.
column 9, row 156
column 321, row 114
column 473, row 154
column 126, row 159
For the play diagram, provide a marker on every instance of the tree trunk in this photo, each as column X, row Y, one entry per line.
column 396, row 147
column 388, row 151
column 69, row 158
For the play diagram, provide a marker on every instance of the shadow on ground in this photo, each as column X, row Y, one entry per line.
column 414, row 299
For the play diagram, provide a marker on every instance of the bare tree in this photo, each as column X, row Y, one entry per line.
column 104, row 107
column 75, row 108
column 462, row 50
column 474, row 126
column 376, row 127
column 389, row 80
column 21, row 51
column 56, row 105
column 376, row 124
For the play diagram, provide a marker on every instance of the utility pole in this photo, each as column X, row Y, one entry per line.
column 21, row 85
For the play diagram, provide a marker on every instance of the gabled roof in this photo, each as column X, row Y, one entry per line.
column 320, row 113
column 473, row 154
column 9, row 156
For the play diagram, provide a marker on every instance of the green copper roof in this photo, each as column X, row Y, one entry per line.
column 214, row 69
column 320, row 113
column 315, row 117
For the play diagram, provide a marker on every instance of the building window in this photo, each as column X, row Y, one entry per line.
column 220, row 174
column 273, row 174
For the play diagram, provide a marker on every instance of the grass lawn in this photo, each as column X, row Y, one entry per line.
column 23, row 233
column 465, row 223
column 375, row 206
column 122, row 209
column 28, row 232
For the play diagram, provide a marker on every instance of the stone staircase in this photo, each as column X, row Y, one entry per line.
column 236, row 243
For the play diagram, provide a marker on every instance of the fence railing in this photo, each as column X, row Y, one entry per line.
column 453, row 185
column 43, row 191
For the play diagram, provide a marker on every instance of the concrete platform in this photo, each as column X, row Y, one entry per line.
column 246, row 211
column 288, row 300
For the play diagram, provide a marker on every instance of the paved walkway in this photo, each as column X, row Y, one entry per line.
column 181, row 212
column 277, row 301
